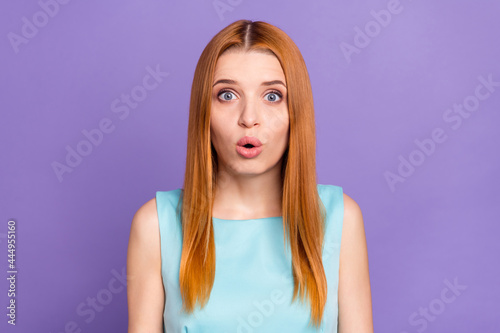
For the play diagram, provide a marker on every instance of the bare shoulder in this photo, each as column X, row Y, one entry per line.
column 352, row 212
column 145, row 292
column 355, row 307
column 144, row 236
column 353, row 249
column 145, row 220
column 353, row 243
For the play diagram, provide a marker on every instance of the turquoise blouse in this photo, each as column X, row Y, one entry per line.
column 253, row 285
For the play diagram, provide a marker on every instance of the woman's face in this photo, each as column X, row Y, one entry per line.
column 249, row 98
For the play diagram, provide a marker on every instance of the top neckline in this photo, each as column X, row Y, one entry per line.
column 257, row 219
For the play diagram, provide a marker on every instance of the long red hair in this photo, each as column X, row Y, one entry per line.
column 303, row 211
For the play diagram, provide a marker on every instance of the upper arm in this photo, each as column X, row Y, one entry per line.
column 145, row 293
column 355, row 306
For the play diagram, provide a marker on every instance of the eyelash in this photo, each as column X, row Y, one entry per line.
column 271, row 92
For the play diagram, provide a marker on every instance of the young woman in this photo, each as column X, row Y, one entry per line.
column 251, row 243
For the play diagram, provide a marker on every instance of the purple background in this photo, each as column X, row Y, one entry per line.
column 439, row 225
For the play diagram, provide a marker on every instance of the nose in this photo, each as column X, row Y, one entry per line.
column 250, row 114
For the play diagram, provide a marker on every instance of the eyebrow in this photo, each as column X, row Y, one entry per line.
column 266, row 83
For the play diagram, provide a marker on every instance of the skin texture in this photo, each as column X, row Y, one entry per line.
column 246, row 189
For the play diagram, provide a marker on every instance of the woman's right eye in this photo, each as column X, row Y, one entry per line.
column 225, row 95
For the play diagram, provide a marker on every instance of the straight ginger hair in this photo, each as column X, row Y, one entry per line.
column 303, row 212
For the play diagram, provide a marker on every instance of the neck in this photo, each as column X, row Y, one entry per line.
column 248, row 196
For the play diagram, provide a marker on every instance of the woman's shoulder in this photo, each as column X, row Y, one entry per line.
column 145, row 220
column 353, row 224
column 351, row 207
column 354, row 279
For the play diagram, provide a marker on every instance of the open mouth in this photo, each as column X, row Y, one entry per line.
column 249, row 147
column 249, row 150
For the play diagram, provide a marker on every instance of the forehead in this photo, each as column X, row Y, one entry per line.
column 248, row 66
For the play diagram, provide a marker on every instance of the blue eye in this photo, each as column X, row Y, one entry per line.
column 226, row 95
column 274, row 96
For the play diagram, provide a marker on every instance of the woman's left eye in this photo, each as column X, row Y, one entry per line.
column 274, row 96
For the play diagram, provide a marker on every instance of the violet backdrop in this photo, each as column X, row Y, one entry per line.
column 407, row 101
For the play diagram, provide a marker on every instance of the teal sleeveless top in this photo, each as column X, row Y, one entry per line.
column 253, row 286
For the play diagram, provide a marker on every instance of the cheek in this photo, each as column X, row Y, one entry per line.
column 279, row 127
column 213, row 131
column 284, row 137
column 284, row 132
column 218, row 132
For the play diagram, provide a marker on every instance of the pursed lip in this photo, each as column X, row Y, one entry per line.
column 249, row 140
